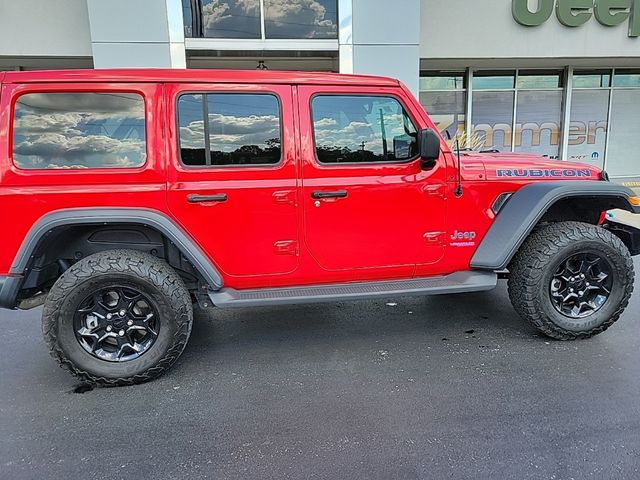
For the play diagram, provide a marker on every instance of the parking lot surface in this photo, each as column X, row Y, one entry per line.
column 436, row 387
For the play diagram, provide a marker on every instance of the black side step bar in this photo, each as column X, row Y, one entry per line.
column 459, row 282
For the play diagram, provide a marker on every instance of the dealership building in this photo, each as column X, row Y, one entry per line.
column 559, row 78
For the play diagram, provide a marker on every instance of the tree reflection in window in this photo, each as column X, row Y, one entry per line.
column 361, row 129
column 242, row 129
column 79, row 130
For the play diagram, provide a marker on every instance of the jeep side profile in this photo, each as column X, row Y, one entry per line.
column 129, row 196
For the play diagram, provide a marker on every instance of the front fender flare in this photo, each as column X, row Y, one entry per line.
column 525, row 208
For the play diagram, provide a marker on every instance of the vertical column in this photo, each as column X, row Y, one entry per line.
column 381, row 38
column 140, row 33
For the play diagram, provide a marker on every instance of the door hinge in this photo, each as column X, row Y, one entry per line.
column 434, row 238
column 434, row 190
column 286, row 247
column 285, row 197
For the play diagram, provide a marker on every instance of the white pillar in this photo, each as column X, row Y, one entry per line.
column 380, row 37
column 140, row 33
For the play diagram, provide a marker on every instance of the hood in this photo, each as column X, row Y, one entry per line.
column 524, row 166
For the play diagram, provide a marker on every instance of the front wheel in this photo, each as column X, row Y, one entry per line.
column 571, row 280
column 117, row 318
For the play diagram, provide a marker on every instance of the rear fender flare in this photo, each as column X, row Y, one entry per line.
column 105, row 216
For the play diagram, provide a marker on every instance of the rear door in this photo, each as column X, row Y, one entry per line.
column 233, row 184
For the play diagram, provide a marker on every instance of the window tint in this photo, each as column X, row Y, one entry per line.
column 241, row 129
column 351, row 129
column 79, row 130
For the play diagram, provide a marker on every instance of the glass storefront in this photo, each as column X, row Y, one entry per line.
column 523, row 111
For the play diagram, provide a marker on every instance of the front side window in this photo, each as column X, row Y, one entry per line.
column 361, row 129
column 221, row 129
column 79, row 130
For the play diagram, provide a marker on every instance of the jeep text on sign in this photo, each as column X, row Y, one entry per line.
column 574, row 13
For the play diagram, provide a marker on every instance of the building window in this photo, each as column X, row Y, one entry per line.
column 261, row 19
column 517, row 111
column 493, row 99
column 301, row 18
column 79, row 131
column 230, row 18
column 444, row 97
column 187, row 18
column 624, row 128
column 362, row 129
column 222, row 129
column 538, row 113
column 589, row 115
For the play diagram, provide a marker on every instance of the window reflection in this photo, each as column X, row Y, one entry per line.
column 79, row 130
column 301, row 18
column 187, row 18
column 350, row 129
column 231, row 18
column 283, row 19
column 242, row 129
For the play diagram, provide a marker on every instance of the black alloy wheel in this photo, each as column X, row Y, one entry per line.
column 581, row 284
column 117, row 323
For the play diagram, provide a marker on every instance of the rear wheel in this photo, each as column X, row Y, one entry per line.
column 571, row 280
column 118, row 318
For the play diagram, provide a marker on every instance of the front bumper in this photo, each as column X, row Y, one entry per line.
column 628, row 234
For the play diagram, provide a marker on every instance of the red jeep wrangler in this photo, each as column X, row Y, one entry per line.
column 129, row 195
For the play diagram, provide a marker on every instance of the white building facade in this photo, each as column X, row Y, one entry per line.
column 560, row 78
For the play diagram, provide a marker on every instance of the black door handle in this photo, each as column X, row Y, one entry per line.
column 197, row 198
column 325, row 194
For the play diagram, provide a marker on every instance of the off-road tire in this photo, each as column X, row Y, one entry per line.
column 532, row 269
column 158, row 280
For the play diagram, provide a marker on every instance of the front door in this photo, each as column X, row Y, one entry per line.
column 233, row 183
column 367, row 202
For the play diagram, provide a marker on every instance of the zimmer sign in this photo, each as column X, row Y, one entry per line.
column 574, row 13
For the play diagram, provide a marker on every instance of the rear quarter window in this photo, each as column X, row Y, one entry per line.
column 80, row 130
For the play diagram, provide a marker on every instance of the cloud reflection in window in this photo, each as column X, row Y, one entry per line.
column 79, row 130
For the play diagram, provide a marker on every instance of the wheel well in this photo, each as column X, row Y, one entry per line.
column 63, row 246
column 582, row 209
column 589, row 210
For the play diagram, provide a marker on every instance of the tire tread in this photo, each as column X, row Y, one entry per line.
column 143, row 265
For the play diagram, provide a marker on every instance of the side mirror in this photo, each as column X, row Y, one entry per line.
column 429, row 142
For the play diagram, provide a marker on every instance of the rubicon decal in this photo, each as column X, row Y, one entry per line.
column 544, row 173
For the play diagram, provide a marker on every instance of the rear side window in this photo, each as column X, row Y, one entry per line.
column 362, row 129
column 221, row 129
column 79, row 130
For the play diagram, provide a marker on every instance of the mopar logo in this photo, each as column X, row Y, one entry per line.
column 540, row 173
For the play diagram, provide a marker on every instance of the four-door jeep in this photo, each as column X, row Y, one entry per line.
column 129, row 195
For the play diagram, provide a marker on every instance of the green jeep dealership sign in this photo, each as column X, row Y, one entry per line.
column 574, row 13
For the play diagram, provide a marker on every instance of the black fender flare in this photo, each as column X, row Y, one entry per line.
column 524, row 209
column 105, row 216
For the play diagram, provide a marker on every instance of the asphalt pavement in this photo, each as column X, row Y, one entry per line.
column 431, row 388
